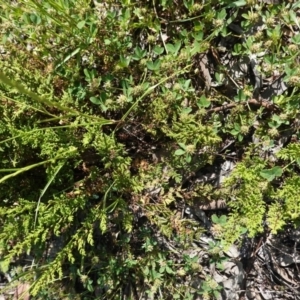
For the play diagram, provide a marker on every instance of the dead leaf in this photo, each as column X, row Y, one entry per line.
column 204, row 70
column 22, row 292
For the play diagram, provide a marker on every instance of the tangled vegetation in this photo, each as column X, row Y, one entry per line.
column 108, row 115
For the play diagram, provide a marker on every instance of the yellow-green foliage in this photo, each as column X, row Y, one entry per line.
column 106, row 118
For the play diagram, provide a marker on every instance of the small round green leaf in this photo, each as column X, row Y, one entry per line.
column 188, row 158
column 203, row 102
column 215, row 219
column 80, row 24
column 223, row 219
column 179, row 152
column 270, row 174
column 95, row 100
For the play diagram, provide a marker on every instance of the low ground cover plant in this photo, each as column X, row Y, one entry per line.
column 109, row 111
